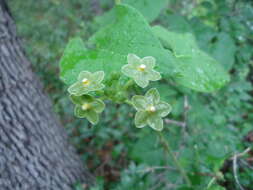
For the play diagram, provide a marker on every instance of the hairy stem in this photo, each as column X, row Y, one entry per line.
column 167, row 149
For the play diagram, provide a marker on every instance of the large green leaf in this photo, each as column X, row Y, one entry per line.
column 195, row 69
column 74, row 52
column 130, row 33
column 93, row 60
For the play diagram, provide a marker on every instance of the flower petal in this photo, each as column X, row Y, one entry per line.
column 95, row 87
column 129, row 70
column 98, row 105
column 98, row 76
column 141, row 80
column 155, row 123
column 77, row 89
column 133, row 59
column 79, row 112
column 92, row 116
column 139, row 102
column 79, row 100
column 153, row 96
column 163, row 108
column 141, row 119
column 149, row 61
column 84, row 74
column 154, row 75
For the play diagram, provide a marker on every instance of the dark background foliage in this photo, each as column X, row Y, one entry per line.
column 218, row 125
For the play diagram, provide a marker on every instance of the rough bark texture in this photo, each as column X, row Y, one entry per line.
column 34, row 152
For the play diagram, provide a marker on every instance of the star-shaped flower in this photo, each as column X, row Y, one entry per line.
column 150, row 110
column 88, row 107
column 87, row 82
column 141, row 70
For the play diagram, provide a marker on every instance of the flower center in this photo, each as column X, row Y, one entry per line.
column 142, row 67
column 85, row 106
column 85, row 81
column 151, row 109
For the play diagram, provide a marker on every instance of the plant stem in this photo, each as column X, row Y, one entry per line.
column 169, row 152
column 129, row 102
column 129, row 83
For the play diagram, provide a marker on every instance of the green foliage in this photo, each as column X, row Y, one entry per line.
column 126, row 158
column 195, row 68
column 130, row 33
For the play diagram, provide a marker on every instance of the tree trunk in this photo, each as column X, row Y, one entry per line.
column 34, row 152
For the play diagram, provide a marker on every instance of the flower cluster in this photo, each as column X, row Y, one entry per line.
column 150, row 110
column 87, row 106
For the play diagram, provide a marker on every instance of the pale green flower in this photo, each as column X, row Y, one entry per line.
column 150, row 110
column 88, row 107
column 87, row 82
column 141, row 70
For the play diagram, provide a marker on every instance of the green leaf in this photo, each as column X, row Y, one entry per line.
column 147, row 151
column 224, row 50
column 179, row 43
column 93, row 60
column 195, row 69
column 131, row 34
column 74, row 52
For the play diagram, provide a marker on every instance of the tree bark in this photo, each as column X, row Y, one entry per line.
column 34, row 151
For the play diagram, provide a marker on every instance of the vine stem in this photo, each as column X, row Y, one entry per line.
column 167, row 149
column 129, row 83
